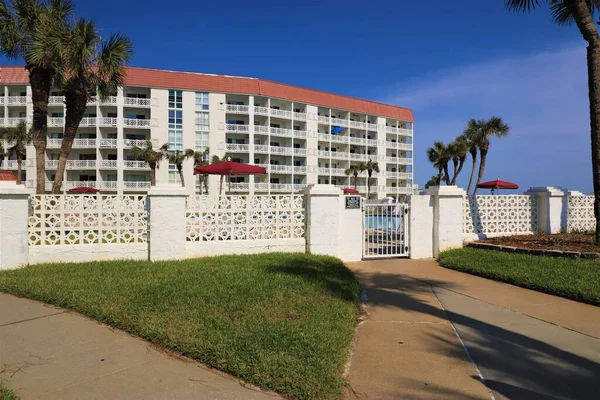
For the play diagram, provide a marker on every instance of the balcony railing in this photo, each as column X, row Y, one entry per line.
column 356, row 140
column 400, row 131
column 279, row 187
column 398, row 145
column 299, row 134
column 133, row 164
column 109, row 101
column 398, row 175
column 324, row 137
column 236, row 147
column 16, row 100
column 237, row 108
column 108, row 121
column 107, row 164
column 73, row 164
column 238, row 187
column 261, row 110
column 261, row 148
column 339, row 155
column 56, row 100
column 300, row 116
column 11, row 164
column 136, row 123
column 2, row 100
column 14, row 121
column 338, row 171
column 323, row 119
column 358, row 125
column 88, row 121
column 324, row 171
column 359, row 157
column 137, row 185
column 339, row 139
column 281, row 150
column 237, row 128
column 281, row 132
column 339, row 122
column 371, row 127
column 280, row 168
column 261, row 129
column 398, row 190
column 56, row 121
column 324, row 153
column 136, row 102
column 108, row 185
column 129, row 143
column 77, row 143
column 372, row 142
column 300, row 169
column 299, row 151
column 280, row 113
column 107, row 143
column 398, row 160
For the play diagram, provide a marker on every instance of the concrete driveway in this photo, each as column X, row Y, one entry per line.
column 437, row 333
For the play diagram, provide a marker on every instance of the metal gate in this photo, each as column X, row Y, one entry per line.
column 385, row 230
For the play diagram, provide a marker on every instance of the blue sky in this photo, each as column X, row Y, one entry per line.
column 447, row 60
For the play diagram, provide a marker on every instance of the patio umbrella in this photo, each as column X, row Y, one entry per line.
column 350, row 191
column 497, row 184
column 229, row 168
column 83, row 189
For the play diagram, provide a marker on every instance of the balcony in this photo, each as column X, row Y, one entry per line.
column 77, row 143
column 323, row 119
column 88, row 121
column 238, row 187
column 2, row 100
column 398, row 145
column 16, row 100
column 56, row 121
column 299, row 134
column 109, row 101
column 398, row 175
column 129, row 143
column 235, row 147
column 93, row 101
column 372, row 142
column 281, row 150
column 14, row 121
column 356, row 140
column 136, row 102
column 398, row 190
column 339, row 139
column 273, row 112
column 324, row 171
column 11, row 164
column 281, row 132
column 136, row 123
column 359, row 157
column 324, row 153
column 358, row 125
column 338, row 171
column 107, row 143
column 261, row 110
column 324, row 137
column 107, row 185
column 300, row 116
column 133, row 164
column 372, row 127
column 72, row 164
column 261, row 148
column 280, row 169
column 107, row 164
column 237, row 108
column 279, row 187
column 339, row 155
column 300, row 169
column 56, row 100
column 237, row 128
column 108, row 121
column 339, row 122
column 400, row 131
column 261, row 129
column 299, row 152
column 136, row 186
column 398, row 160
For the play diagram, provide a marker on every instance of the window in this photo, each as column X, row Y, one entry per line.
column 238, row 160
column 111, row 157
column 174, row 174
column 296, row 145
column 87, row 156
column 257, row 161
column 201, row 141
column 87, row 178
column 274, row 180
column 175, row 119
column 256, row 141
column 175, row 139
column 175, row 99
column 297, row 163
column 297, row 181
column 201, row 101
column 112, row 115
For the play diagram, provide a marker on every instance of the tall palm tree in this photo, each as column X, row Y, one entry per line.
column 488, row 128
column 151, row 156
column 200, row 160
column 355, row 170
column 473, row 136
column 91, row 64
column 18, row 139
column 439, row 156
column 583, row 13
column 458, row 150
column 177, row 157
column 370, row 167
column 215, row 160
column 34, row 30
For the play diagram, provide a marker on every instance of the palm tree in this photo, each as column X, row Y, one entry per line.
column 487, row 128
column 433, row 181
column 18, row 139
column 355, row 170
column 2, row 153
column 200, row 160
column 439, row 156
column 177, row 157
column 151, row 156
column 34, row 30
column 370, row 167
column 458, row 152
column 583, row 13
column 83, row 50
column 215, row 160
column 473, row 136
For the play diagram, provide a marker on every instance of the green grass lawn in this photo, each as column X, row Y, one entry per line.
column 6, row 393
column 281, row 321
column 571, row 278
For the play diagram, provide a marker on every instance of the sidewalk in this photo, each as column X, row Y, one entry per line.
column 525, row 344
column 48, row 353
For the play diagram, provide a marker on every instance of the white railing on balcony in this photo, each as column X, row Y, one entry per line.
column 261, row 110
column 92, row 101
column 82, row 164
column 137, row 185
column 280, row 113
column 2, row 99
column 107, row 185
column 77, row 143
column 398, row 175
column 11, row 164
column 108, row 121
column 281, row 132
column 406, row 132
column 358, row 125
column 357, row 156
column 109, row 101
column 136, row 123
column 323, row 119
column 280, row 168
column 56, row 121
column 339, row 155
column 107, row 143
column 299, row 151
column 356, row 140
column 14, row 121
column 300, row 116
column 261, row 129
column 237, row 108
column 339, row 122
column 324, row 171
column 299, row 134
column 236, row 147
column 129, row 143
column 371, row 127
column 261, row 148
column 324, row 153
column 405, row 146
column 16, row 100
column 107, row 164
column 238, row 187
column 134, row 164
column 56, row 100
column 88, row 121
column 51, row 164
column 398, row 160
column 280, row 150
column 237, row 128
column 300, row 169
column 391, row 129
column 339, row 139
column 398, row 190
column 324, row 137
column 338, row 171
column 372, row 142
column 136, row 102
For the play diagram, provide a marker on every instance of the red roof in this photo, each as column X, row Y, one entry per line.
column 231, row 84
column 229, row 168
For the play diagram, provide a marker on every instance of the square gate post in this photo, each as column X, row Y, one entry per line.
column 166, row 223
column 448, row 204
column 14, row 216
column 420, row 226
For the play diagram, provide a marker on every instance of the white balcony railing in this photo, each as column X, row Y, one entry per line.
column 93, row 101
column 280, row 168
column 2, row 100
column 281, row 150
column 11, row 164
column 261, row 129
column 300, row 169
column 136, row 102
column 338, row 171
column 299, row 151
column 281, row 132
column 398, row 190
column 339, row 122
column 16, row 100
column 324, row 171
column 236, row 147
column 261, row 148
column 137, row 185
column 339, row 139
column 300, row 116
column 358, row 125
column 359, row 157
column 56, row 100
column 299, row 134
column 129, row 143
column 339, row 155
column 400, row 131
column 237, row 128
column 74, row 164
column 56, row 121
column 136, row 123
column 108, row 185
column 107, row 164
column 109, row 101
column 372, row 142
column 134, row 164
column 88, row 121
column 108, row 121
column 398, row 175
column 280, row 113
column 371, row 127
column 356, row 140
column 398, row 160
column 238, row 187
column 237, row 108
column 324, row 137
column 324, row 153
column 107, row 143
column 261, row 110
column 77, row 143
column 323, row 119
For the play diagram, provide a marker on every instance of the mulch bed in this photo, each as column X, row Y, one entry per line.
column 579, row 242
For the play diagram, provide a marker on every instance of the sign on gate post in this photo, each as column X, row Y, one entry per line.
column 352, row 202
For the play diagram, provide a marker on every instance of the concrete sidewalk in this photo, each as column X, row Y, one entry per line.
column 527, row 345
column 51, row 353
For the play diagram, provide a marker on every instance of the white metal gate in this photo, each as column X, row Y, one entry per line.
column 385, row 230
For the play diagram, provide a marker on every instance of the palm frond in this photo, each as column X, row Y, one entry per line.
column 523, row 5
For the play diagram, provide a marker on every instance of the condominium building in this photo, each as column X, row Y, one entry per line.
column 300, row 136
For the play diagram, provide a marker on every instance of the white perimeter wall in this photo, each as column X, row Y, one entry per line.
column 87, row 252
column 213, row 248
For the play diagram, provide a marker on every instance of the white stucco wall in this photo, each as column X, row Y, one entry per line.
column 448, row 203
column 166, row 222
column 323, row 220
column 351, row 234
column 13, row 225
column 214, row 248
column 420, row 231
column 87, row 252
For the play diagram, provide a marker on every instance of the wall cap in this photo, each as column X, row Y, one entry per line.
column 322, row 190
column 550, row 191
column 168, row 191
column 444, row 191
column 11, row 188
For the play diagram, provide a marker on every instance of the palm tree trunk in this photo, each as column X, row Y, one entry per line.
column 180, row 170
column 440, row 176
column 355, row 181
column 221, row 185
column 461, row 164
column 474, row 157
column 484, row 153
column 446, row 174
column 455, row 170
column 370, row 173
column 152, row 175
column 40, row 81
column 19, row 167
column 206, row 183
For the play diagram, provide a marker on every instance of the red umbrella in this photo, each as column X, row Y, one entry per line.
column 497, row 184
column 229, row 168
column 84, row 189
column 350, row 191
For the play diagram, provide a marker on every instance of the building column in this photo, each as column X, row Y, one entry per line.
column 166, row 222
column 447, row 217
column 552, row 205
column 14, row 215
